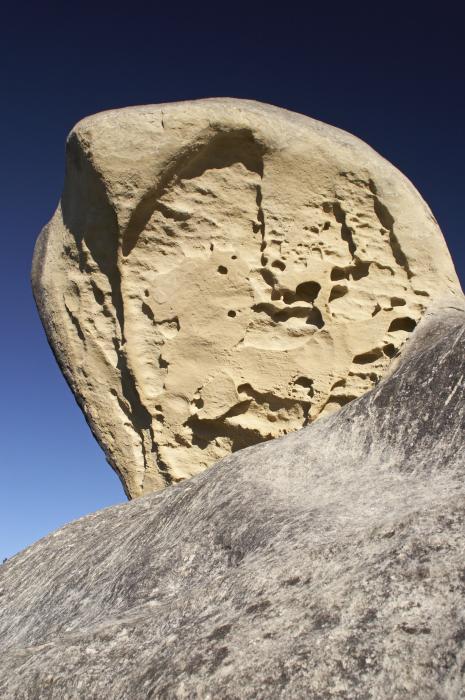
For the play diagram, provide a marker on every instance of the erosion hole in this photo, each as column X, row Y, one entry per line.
column 390, row 350
column 402, row 324
column 366, row 357
column 308, row 291
column 148, row 311
column 357, row 271
column 338, row 291
column 315, row 318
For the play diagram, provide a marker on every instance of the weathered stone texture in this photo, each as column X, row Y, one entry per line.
column 222, row 272
column 326, row 564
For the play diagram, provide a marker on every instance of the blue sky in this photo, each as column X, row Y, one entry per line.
column 392, row 78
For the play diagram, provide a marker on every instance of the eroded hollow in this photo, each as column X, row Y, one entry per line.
column 402, row 324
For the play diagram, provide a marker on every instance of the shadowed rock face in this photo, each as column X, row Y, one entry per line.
column 328, row 563
column 221, row 272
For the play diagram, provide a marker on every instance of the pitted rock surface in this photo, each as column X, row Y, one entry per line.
column 329, row 563
column 222, row 272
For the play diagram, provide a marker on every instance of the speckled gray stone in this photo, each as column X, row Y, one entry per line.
column 342, row 576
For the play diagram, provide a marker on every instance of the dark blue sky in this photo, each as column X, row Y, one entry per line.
column 391, row 76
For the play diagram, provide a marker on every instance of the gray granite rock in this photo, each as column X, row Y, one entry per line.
column 342, row 576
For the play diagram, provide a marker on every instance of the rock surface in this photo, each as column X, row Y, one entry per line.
column 221, row 272
column 328, row 563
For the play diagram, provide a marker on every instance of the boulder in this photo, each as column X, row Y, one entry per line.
column 222, row 272
column 329, row 563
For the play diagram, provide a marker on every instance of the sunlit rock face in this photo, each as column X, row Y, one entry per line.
column 221, row 272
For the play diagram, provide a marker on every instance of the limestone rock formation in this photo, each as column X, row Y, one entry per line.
column 222, row 272
column 326, row 564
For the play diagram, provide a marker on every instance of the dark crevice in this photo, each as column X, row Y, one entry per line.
column 268, row 277
column 76, row 325
column 337, row 292
column 128, row 412
column 368, row 357
column 372, row 376
column 148, row 312
column 386, row 220
column 356, row 271
column 346, row 231
column 340, row 399
column 305, row 292
column 238, row 409
column 288, row 296
column 140, row 416
column 339, row 383
column 259, row 227
column 399, row 255
column 161, row 466
column 313, row 315
column 315, row 318
column 371, row 185
column 390, row 350
column 99, row 296
column 402, row 324
column 380, row 266
column 279, row 315
column 308, row 291
column 284, row 315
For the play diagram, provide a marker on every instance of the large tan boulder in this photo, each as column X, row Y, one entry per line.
column 223, row 272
